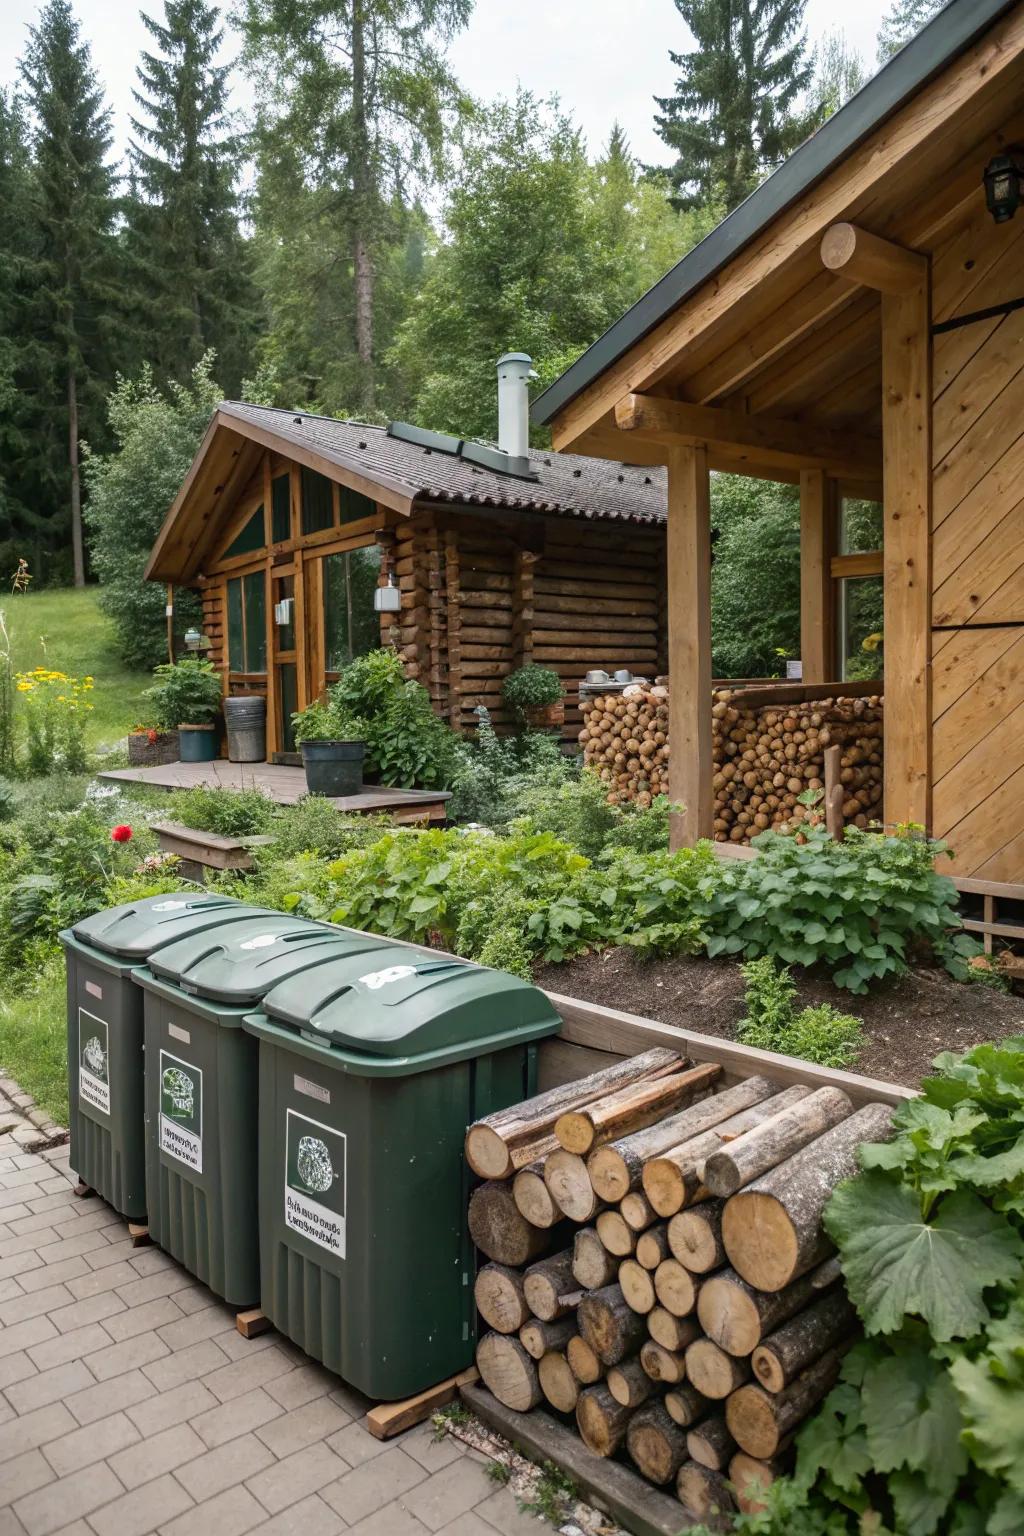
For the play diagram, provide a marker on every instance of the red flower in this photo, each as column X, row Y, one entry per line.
column 121, row 834
column 151, row 738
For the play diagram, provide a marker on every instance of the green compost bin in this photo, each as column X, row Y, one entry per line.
column 371, row 1068
column 202, row 1113
column 105, row 1061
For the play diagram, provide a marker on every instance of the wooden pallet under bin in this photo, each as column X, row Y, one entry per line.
column 591, row 1038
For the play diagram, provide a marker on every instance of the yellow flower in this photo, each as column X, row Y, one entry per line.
column 871, row 642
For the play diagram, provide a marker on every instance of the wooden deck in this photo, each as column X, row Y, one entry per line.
column 285, row 786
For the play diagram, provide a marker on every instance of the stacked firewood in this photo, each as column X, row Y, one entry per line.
column 765, row 756
column 656, row 1265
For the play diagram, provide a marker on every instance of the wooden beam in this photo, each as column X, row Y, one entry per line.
column 870, row 563
column 817, row 631
column 606, row 442
column 864, row 258
column 906, row 435
column 769, row 439
column 689, row 643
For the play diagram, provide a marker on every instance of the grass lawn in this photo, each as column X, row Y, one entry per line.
column 65, row 630
column 33, row 1040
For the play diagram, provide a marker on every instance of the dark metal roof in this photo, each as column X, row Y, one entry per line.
column 566, row 484
column 935, row 47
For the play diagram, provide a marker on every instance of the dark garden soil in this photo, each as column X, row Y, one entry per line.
column 907, row 1022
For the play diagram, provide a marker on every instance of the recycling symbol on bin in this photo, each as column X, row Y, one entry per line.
column 180, row 1089
column 95, row 1058
column 313, row 1164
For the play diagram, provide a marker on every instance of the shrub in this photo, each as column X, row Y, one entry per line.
column 324, row 720
column 531, row 687
column 186, row 692
column 490, row 774
column 314, row 826
column 574, row 806
column 56, row 706
column 859, row 906
column 228, row 812
column 821, row 1034
column 406, row 742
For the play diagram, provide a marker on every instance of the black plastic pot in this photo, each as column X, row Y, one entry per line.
column 333, row 767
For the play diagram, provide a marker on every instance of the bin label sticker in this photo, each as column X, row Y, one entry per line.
column 311, row 1090
column 169, row 906
column 93, row 1062
column 261, row 941
column 177, row 1033
column 181, row 1111
column 94, row 989
column 315, row 1181
column 374, row 980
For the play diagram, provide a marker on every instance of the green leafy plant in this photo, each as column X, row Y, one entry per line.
column 552, row 1491
column 326, row 720
column 228, row 812
column 531, row 687
column 186, row 692
column 821, row 1034
column 406, row 742
column 862, row 907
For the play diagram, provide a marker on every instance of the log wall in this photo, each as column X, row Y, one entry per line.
column 978, row 550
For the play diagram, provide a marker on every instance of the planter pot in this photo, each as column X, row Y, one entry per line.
column 333, row 767
column 546, row 715
column 198, row 743
column 245, row 721
column 143, row 753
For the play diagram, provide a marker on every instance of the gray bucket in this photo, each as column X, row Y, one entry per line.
column 246, row 722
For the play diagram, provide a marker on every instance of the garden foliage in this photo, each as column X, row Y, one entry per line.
column 772, row 1023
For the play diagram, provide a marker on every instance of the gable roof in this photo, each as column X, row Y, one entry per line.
column 402, row 475
column 947, row 35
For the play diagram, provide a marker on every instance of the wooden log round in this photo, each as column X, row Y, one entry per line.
column 695, row 1237
column 677, row 1289
column 602, row 1422
column 557, row 1382
column 632, row 1108
column 500, row 1298
column 656, row 1443
column 661, row 1364
column 737, row 1316
column 508, row 1372
column 669, row 1331
column 609, row 1325
column 685, row 1404
column 637, row 1285
column 616, row 1234
column 705, row 1495
column 549, row 1286
column 630, row 1384
column 652, row 1246
column 760, row 1421
column 500, row 1230
column 772, row 1229
column 711, row 1442
column 539, row 1338
column 751, row 1480
column 583, row 1361
column 800, row 1341
column 569, row 1185
column 770, row 1143
column 637, row 1211
column 616, row 1169
column 592, row 1265
column 712, row 1371
column 533, row 1198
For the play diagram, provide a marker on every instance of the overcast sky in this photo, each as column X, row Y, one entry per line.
column 603, row 58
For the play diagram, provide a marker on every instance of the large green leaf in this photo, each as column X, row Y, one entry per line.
column 897, row 1265
column 917, row 1504
column 834, row 1442
column 991, row 1391
column 912, row 1417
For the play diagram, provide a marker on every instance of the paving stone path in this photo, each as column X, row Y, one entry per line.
column 129, row 1403
column 23, row 1122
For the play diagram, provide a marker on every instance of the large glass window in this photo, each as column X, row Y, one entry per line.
column 250, row 538
column 351, row 626
column 354, row 505
column 247, row 623
column 317, row 502
column 281, row 508
column 859, row 590
column 860, row 526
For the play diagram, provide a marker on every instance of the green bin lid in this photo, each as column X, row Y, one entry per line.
column 240, row 962
column 137, row 929
column 402, row 1002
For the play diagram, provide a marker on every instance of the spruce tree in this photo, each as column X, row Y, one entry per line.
column 191, row 260
column 736, row 112
column 74, row 296
column 15, row 257
column 904, row 20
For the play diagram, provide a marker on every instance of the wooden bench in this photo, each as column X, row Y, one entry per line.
column 207, row 850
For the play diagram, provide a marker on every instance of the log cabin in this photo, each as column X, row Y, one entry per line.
column 856, row 327
column 288, row 523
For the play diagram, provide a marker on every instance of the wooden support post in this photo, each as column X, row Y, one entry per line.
column 865, row 258
column 906, row 437
column 817, row 630
column 170, row 622
column 689, row 643
column 834, row 794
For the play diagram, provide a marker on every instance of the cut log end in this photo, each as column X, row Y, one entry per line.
column 583, row 1361
column 602, row 1422
column 533, row 1198
column 751, row 1479
column 705, row 1495
column 508, row 1372
column 656, row 1443
column 487, row 1154
column 714, row 1373
column 569, row 1185
column 500, row 1298
column 667, row 1365
column 637, row 1286
column 499, row 1230
column 558, row 1383
column 711, row 1444
column 575, row 1132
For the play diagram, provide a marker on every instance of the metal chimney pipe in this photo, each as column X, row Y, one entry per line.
column 515, row 369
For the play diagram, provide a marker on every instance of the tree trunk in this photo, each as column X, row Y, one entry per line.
column 507, row 1371
column 705, row 1495
column 500, row 1298
column 549, row 1287
column 712, row 1371
column 631, row 1109
column 539, row 1338
column 801, row 1341
column 362, row 263
column 602, row 1422
column 609, row 1325
column 772, row 1229
column 77, row 545
column 711, row 1442
column 772, row 1142
column 695, row 1237
column 759, row 1421
column 630, row 1384
column 656, row 1443
column 737, row 1316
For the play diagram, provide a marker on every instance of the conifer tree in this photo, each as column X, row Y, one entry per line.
column 191, row 259
column 74, row 297
column 902, row 21
column 15, row 434
column 736, row 111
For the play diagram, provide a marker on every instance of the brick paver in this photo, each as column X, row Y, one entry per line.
column 130, row 1405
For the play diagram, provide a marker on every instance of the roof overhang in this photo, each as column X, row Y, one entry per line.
column 225, row 461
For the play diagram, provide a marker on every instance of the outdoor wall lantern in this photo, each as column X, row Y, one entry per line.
column 283, row 612
column 193, row 639
column 1004, row 180
column 388, row 599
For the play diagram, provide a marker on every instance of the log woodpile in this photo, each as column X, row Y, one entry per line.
column 765, row 755
column 689, row 1323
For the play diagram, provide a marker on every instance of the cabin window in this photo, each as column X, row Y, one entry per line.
column 317, row 502
column 247, row 623
column 859, row 590
column 250, row 538
column 355, row 506
column 351, row 627
column 281, row 508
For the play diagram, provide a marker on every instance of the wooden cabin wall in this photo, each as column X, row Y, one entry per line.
column 978, row 551
column 214, row 624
